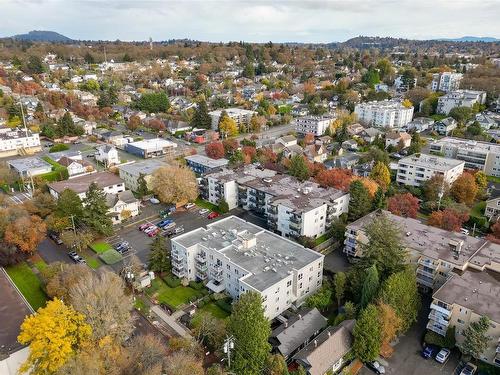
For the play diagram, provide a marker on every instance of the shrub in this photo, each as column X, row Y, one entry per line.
column 201, row 303
column 481, row 222
column 224, row 305
column 448, row 341
column 59, row 147
column 172, row 282
column 196, row 286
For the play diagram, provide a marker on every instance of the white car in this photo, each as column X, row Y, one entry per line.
column 154, row 200
column 189, row 206
column 443, row 355
column 204, row 211
column 469, row 369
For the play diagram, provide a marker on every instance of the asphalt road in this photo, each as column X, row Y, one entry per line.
column 51, row 252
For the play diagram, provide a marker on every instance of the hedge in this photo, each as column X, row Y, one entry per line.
column 196, row 286
column 224, row 305
column 172, row 282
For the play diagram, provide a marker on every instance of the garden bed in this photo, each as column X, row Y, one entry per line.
column 111, row 257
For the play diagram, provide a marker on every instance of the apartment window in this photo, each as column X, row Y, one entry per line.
column 289, row 283
column 277, row 299
column 318, row 282
column 228, row 267
column 300, row 286
column 264, row 299
column 300, row 276
column 277, row 290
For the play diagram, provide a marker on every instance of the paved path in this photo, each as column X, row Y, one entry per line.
column 170, row 321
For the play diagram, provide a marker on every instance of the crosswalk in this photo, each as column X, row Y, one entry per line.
column 20, row 198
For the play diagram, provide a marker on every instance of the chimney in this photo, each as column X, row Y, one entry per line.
column 329, row 333
column 286, row 324
column 315, row 343
column 300, row 316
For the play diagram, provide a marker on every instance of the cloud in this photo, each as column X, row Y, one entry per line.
column 258, row 20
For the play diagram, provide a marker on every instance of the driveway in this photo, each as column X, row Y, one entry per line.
column 407, row 359
column 51, row 252
column 336, row 261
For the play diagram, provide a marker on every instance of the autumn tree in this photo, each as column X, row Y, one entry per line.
column 134, row 123
column 435, row 186
column 54, row 334
column 251, row 330
column 276, row 365
column 337, row 178
column 228, row 127
column 181, row 363
column 215, row 150
column 174, row 184
column 464, row 189
column 405, row 205
column 390, row 322
column 102, row 300
column 78, row 240
column 367, row 335
column 448, row 219
column 42, row 204
column 495, row 233
column 58, row 278
column 145, row 355
column 381, row 175
column 298, row 168
column 209, row 330
column 359, row 202
column 26, row 233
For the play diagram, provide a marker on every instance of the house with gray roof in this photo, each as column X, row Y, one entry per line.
column 122, row 206
column 29, row 167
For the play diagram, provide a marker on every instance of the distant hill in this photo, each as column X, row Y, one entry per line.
column 472, row 39
column 43, row 36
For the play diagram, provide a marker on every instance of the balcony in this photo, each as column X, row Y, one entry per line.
column 177, row 263
column 439, row 318
column 176, row 256
column 201, row 258
column 442, row 310
column 201, row 267
column 201, row 275
column 428, row 263
column 217, row 274
column 436, row 328
column 425, row 281
column 179, row 272
column 295, row 219
column 426, row 272
column 294, row 226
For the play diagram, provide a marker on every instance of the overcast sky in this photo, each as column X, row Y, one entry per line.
column 253, row 21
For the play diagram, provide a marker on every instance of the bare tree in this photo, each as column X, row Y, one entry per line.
column 144, row 356
column 183, row 364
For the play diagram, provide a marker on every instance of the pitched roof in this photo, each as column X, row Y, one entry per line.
column 124, row 196
column 81, row 184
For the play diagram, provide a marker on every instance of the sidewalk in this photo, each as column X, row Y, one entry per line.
column 170, row 321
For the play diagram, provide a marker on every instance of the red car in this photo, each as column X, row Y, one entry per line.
column 144, row 226
column 213, row 215
column 154, row 232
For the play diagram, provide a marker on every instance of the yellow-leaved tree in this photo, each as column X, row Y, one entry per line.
column 54, row 334
column 228, row 127
column 381, row 175
column 175, row 184
column 407, row 103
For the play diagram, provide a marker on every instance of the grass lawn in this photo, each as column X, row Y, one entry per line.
column 92, row 262
column 173, row 297
column 478, row 209
column 100, row 247
column 215, row 310
column 111, row 256
column 40, row 264
column 494, row 179
column 142, row 306
column 28, row 283
column 321, row 239
column 204, row 204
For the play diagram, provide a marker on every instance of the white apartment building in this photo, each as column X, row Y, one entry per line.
column 130, row 173
column 18, row 142
column 236, row 256
column 446, row 81
column 316, row 125
column 459, row 98
column 434, row 252
column 384, row 114
column 240, row 116
column 292, row 208
column 476, row 155
column 415, row 169
column 464, row 299
column 108, row 182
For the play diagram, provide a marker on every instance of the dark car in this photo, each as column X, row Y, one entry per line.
column 54, row 237
column 430, row 351
column 75, row 257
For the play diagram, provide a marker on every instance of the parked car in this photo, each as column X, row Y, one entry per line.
column 469, row 369
column 144, row 226
column 55, row 238
column 123, row 250
column 179, row 230
column 150, row 229
column 122, row 245
column 204, row 211
column 75, row 257
column 429, row 352
column 154, row 200
column 464, row 231
column 376, row 367
column 154, row 232
column 170, row 225
column 443, row 355
column 169, row 232
column 189, row 206
column 213, row 215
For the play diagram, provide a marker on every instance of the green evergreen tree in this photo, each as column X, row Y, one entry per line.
column 276, row 365
column 416, row 144
column 476, row 340
column 159, row 257
column 298, row 168
column 69, row 204
column 360, row 202
column 223, row 206
column 339, row 281
column 379, row 201
column 367, row 335
column 142, row 186
column 201, row 118
column 250, row 330
column 95, row 214
column 370, row 286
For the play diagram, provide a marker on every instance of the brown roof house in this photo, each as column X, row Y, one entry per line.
column 108, row 182
column 328, row 350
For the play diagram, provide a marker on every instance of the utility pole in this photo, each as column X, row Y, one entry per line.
column 228, row 346
column 73, row 223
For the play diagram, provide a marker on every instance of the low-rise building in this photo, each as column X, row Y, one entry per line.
column 420, row 124
column 149, row 148
column 316, row 125
column 108, row 182
column 459, row 98
column 240, row 116
column 445, row 126
column 463, row 299
column 492, row 210
column 76, row 167
column 18, row 142
column 122, row 206
column 108, row 155
column 483, row 156
column 397, row 139
column 201, row 164
column 434, row 252
column 236, row 256
column 130, row 173
column 446, row 81
column 29, row 167
column 292, row 208
column 384, row 114
column 415, row 169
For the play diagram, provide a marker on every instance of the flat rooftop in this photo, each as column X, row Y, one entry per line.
column 206, row 161
column 468, row 144
column 286, row 190
column 26, row 164
column 431, row 162
column 232, row 111
column 269, row 261
column 434, row 242
column 477, row 291
column 154, row 143
column 146, row 167
column 13, row 310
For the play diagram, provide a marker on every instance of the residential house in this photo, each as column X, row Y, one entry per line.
column 122, row 206
column 350, row 145
column 415, row 169
column 397, row 140
column 369, row 135
column 492, row 210
column 108, row 155
column 487, row 120
column 293, row 150
column 328, row 351
column 76, row 167
column 316, row 153
column 420, row 124
column 355, row 129
column 287, row 140
column 235, row 256
column 345, row 161
column 445, row 126
column 108, row 182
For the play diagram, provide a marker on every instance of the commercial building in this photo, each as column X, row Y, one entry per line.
column 415, row 169
column 130, row 173
column 384, row 114
column 433, row 251
column 446, row 81
column 292, row 208
column 464, row 299
column 483, row 156
column 316, row 125
column 18, row 142
column 149, row 148
column 236, row 256
column 240, row 116
column 459, row 98
column 202, row 164
column 108, row 182
column 29, row 167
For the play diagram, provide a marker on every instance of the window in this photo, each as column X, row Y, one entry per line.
column 300, row 286
column 300, row 276
column 289, row 283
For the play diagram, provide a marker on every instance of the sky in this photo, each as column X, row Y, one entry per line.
column 252, row 21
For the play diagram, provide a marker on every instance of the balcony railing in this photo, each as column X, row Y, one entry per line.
column 439, row 318
column 295, row 219
column 201, row 258
column 176, row 256
column 436, row 328
column 201, row 275
column 441, row 310
column 428, row 263
column 179, row 272
column 201, row 267
column 425, row 272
